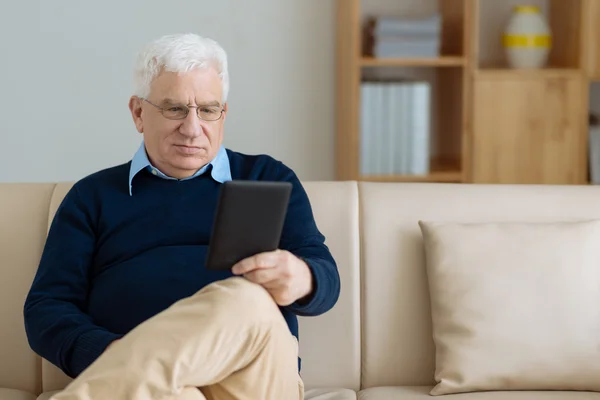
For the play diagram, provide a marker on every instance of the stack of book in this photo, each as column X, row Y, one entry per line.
column 395, row 128
column 396, row 37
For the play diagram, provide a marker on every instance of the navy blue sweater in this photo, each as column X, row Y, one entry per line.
column 112, row 260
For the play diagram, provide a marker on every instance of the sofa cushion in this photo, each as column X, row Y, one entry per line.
column 330, row 394
column 422, row 393
column 514, row 305
column 311, row 394
column 333, row 359
column 47, row 395
column 12, row 394
column 397, row 344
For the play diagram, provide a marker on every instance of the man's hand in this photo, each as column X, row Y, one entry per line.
column 286, row 277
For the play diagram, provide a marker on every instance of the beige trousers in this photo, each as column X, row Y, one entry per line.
column 229, row 341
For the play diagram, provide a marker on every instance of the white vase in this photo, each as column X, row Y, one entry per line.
column 527, row 38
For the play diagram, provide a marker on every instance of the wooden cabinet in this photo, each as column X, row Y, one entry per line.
column 529, row 128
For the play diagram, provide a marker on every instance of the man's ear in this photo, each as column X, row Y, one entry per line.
column 225, row 109
column 135, row 106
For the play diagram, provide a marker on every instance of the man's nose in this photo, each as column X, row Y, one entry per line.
column 191, row 125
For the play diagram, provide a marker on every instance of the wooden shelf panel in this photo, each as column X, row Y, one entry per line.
column 504, row 73
column 441, row 171
column 444, row 61
column 439, row 177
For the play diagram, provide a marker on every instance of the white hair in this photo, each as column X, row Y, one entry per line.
column 179, row 53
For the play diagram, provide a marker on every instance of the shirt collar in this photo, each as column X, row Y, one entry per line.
column 220, row 172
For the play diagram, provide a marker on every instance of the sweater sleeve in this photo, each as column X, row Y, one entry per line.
column 302, row 238
column 57, row 327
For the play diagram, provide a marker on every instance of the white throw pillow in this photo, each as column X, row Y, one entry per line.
column 515, row 306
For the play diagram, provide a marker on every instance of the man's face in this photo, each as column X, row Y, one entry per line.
column 179, row 148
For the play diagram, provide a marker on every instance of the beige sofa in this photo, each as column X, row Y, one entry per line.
column 377, row 342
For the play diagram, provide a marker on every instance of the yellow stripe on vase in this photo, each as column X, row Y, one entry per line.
column 544, row 41
column 527, row 9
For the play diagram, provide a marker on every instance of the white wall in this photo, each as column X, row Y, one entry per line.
column 65, row 80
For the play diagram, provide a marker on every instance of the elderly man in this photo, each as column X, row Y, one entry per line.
column 122, row 301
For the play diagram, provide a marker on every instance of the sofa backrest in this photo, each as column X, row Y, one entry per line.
column 23, row 220
column 330, row 343
column 397, row 344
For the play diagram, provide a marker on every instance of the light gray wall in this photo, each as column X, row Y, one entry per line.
column 65, row 72
column 65, row 79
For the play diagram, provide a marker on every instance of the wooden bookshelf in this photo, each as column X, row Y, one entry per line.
column 496, row 124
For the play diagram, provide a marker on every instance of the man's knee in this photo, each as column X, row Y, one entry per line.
column 243, row 298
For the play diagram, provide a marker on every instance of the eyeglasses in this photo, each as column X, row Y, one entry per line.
column 181, row 111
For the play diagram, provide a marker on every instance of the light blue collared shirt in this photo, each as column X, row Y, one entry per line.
column 221, row 171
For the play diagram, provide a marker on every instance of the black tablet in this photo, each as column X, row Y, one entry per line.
column 249, row 220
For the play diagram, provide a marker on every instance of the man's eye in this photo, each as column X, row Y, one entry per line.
column 175, row 109
column 209, row 110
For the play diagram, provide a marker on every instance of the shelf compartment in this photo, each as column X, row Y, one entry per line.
column 444, row 112
column 563, row 17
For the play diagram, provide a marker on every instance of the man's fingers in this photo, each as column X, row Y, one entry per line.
column 263, row 276
column 277, row 287
column 268, row 259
